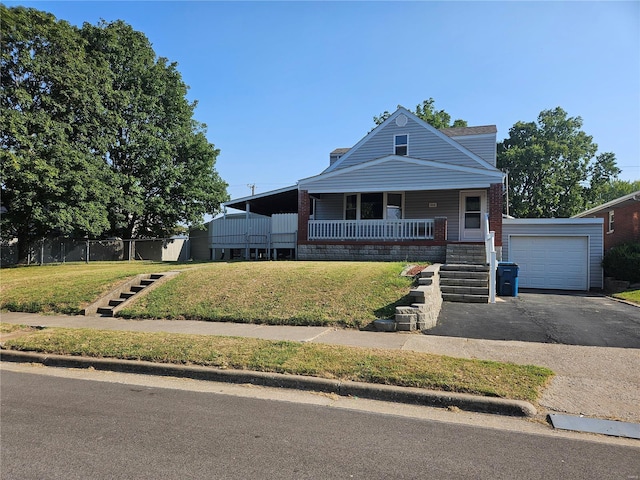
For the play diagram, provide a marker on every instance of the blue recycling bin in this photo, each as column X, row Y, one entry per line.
column 507, row 279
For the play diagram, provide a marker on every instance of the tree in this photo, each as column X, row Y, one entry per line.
column 160, row 157
column 615, row 189
column 553, row 167
column 97, row 136
column 426, row 111
column 52, row 177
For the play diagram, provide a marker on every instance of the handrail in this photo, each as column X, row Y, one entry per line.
column 490, row 250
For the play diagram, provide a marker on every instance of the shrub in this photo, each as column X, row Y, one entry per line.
column 623, row 262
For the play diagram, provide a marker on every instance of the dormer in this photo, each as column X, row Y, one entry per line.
column 336, row 154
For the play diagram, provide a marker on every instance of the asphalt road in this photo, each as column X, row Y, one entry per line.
column 545, row 317
column 68, row 428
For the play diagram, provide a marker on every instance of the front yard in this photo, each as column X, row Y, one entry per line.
column 350, row 294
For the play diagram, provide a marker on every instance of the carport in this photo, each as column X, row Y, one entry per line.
column 555, row 253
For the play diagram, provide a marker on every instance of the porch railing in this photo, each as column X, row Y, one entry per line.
column 419, row 229
column 490, row 249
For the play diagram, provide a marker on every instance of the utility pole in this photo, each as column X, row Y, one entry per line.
column 252, row 186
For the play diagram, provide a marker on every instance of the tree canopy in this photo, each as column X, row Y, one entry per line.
column 554, row 169
column 427, row 112
column 97, row 135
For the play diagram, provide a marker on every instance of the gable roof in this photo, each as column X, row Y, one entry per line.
column 618, row 202
column 401, row 173
column 464, row 131
column 444, row 137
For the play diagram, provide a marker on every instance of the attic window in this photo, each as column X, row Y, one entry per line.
column 401, row 144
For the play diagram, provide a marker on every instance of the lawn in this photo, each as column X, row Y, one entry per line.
column 350, row 294
column 630, row 296
column 396, row 367
column 67, row 288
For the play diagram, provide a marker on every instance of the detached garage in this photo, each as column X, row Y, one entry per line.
column 556, row 253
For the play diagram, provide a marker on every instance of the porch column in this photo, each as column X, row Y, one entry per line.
column 304, row 209
column 440, row 229
column 496, row 203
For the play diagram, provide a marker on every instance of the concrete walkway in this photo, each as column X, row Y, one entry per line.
column 598, row 382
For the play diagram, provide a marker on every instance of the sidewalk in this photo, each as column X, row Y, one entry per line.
column 592, row 381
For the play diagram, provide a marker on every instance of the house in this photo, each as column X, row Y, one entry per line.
column 404, row 191
column 621, row 219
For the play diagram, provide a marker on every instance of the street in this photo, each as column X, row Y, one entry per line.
column 69, row 428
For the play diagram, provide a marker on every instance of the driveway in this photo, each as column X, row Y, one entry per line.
column 546, row 317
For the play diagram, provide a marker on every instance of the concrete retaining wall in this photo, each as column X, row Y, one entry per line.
column 385, row 253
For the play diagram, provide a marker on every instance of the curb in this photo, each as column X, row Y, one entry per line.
column 431, row 398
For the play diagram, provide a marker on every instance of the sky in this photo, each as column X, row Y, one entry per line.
column 282, row 84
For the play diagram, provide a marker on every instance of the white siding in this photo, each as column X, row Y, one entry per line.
column 482, row 145
column 284, row 227
column 416, row 206
column 402, row 175
column 560, row 227
column 423, row 144
column 236, row 231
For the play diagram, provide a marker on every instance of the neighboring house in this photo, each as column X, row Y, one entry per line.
column 404, row 191
column 621, row 219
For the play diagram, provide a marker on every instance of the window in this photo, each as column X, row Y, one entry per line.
column 472, row 212
column 401, row 144
column 373, row 206
column 611, row 221
column 394, row 206
column 351, row 207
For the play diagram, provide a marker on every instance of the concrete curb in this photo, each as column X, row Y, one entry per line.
column 388, row 393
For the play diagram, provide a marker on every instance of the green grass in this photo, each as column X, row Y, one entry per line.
column 630, row 296
column 350, row 294
column 402, row 368
column 67, row 288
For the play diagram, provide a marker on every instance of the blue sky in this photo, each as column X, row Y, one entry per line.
column 281, row 84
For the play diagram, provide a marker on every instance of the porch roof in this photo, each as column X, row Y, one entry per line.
column 283, row 200
column 400, row 173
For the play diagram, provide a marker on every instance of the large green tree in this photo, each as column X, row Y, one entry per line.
column 52, row 175
column 427, row 112
column 162, row 161
column 98, row 137
column 554, row 169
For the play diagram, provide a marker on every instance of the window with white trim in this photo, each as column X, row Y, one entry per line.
column 401, row 144
column 611, row 221
column 373, row 206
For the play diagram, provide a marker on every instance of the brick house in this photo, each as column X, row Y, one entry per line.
column 621, row 219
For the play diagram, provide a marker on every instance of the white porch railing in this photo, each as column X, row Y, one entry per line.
column 490, row 250
column 419, row 229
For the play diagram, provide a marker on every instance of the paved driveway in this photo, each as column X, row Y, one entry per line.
column 547, row 317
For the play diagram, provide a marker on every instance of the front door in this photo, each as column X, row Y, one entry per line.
column 473, row 207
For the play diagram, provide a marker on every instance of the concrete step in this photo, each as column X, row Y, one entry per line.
column 464, row 275
column 106, row 311
column 464, row 282
column 146, row 282
column 126, row 295
column 156, row 276
column 137, row 288
column 465, row 298
column 464, row 290
column 458, row 267
column 115, row 302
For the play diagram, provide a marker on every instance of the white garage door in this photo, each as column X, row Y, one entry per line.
column 551, row 262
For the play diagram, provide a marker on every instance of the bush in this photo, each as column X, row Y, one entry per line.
column 623, row 262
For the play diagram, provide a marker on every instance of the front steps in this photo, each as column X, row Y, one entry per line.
column 115, row 300
column 465, row 276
